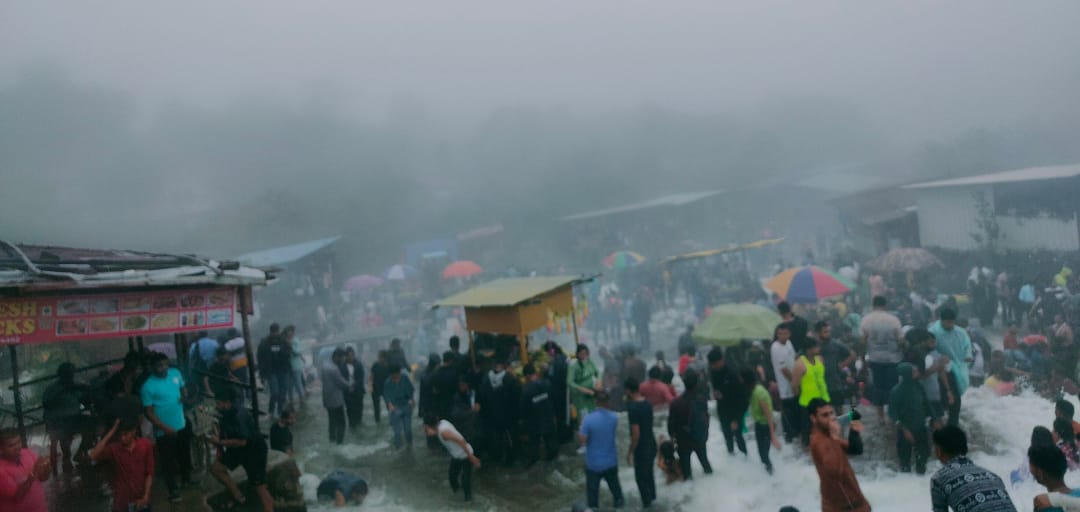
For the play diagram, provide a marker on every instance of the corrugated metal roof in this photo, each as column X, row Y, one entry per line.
column 284, row 255
column 669, row 200
column 1028, row 174
column 30, row 268
column 506, row 292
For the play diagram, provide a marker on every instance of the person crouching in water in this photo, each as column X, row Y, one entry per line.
column 341, row 487
column 910, row 409
column 462, row 460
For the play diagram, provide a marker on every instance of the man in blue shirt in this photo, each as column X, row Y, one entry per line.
column 163, row 396
column 398, row 392
column 601, row 461
column 206, row 350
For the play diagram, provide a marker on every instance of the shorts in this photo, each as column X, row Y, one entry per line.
column 884, row 379
column 253, row 459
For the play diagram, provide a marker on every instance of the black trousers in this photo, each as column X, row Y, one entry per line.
column 687, row 448
column 376, row 404
column 921, row 449
column 791, row 417
column 541, row 437
column 354, row 409
column 462, row 468
column 337, row 424
column 764, row 443
column 644, row 462
column 592, row 486
column 175, row 453
column 733, row 436
column 954, row 409
column 501, row 444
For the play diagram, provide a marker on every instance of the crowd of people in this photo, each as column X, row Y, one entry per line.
column 911, row 362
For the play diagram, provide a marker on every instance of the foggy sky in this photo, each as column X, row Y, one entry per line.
column 187, row 126
column 917, row 67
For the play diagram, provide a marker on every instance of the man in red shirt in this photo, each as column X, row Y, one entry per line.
column 21, row 474
column 133, row 464
column 655, row 391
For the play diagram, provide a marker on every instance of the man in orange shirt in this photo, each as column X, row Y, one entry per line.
column 839, row 489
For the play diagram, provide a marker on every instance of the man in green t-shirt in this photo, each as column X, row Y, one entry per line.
column 761, row 410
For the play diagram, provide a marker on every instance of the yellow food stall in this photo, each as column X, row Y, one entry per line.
column 515, row 307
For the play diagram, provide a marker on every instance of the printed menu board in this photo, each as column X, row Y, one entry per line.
column 72, row 318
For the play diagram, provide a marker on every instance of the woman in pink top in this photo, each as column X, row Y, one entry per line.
column 21, row 474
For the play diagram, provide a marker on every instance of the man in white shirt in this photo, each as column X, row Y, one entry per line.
column 462, row 459
column 783, row 361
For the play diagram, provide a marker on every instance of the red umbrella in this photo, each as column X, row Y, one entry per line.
column 461, row 269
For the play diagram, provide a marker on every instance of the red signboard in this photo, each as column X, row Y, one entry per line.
column 73, row 318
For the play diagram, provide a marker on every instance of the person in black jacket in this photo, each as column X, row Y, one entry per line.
column 424, row 405
column 537, row 417
column 732, row 400
column 444, row 384
column 688, row 425
column 353, row 370
column 380, row 371
column 558, row 367
column 499, row 405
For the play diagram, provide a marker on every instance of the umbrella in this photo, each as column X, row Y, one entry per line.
column 463, row 268
column 623, row 259
column 731, row 323
column 905, row 260
column 806, row 285
column 362, row 282
column 400, row 273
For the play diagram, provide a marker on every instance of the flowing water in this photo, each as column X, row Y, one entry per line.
column 999, row 428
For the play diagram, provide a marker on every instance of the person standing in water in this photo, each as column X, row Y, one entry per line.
column 808, row 381
column 840, row 490
column 642, row 451
column 462, row 460
column 597, row 435
column 761, row 410
column 960, row 484
column 955, row 344
column 1048, row 466
column 582, row 382
column 881, row 333
column 910, row 409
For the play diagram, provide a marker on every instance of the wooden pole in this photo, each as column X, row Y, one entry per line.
column 524, row 347
column 573, row 322
column 252, row 368
column 18, row 394
column 131, row 344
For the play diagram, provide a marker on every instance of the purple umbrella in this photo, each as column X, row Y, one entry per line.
column 362, row 282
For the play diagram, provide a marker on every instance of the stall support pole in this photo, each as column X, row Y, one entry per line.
column 573, row 322
column 524, row 349
column 139, row 342
column 18, row 394
column 131, row 344
column 252, row 378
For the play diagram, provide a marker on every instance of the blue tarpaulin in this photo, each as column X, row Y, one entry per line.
column 280, row 256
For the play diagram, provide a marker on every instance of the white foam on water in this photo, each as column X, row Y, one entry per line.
column 355, row 451
column 1001, row 428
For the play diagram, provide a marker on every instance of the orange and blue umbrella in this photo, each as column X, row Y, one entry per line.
column 806, row 285
column 623, row 259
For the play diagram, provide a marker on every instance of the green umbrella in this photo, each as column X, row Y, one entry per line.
column 729, row 324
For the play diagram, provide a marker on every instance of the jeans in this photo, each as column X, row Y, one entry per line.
column 764, row 444
column 954, row 409
column 921, row 449
column 401, row 422
column 337, row 424
column 463, row 468
column 687, row 448
column 644, row 462
column 279, row 388
column 733, row 436
column 296, row 387
column 791, row 418
column 175, row 454
column 592, row 486
column 376, row 404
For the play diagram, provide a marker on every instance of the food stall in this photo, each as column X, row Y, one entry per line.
column 516, row 307
column 67, row 295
